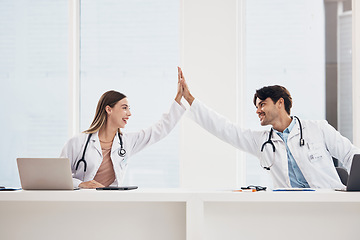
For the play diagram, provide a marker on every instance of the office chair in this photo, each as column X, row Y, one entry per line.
column 343, row 174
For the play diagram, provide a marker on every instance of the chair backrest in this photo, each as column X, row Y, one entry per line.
column 343, row 174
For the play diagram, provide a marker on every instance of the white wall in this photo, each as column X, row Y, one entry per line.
column 210, row 60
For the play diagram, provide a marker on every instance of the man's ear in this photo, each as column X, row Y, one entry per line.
column 280, row 102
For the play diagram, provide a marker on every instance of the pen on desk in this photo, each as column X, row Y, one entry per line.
column 249, row 190
column 244, row 190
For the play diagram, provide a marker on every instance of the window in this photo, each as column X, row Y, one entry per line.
column 34, row 92
column 344, row 66
column 285, row 46
column 133, row 47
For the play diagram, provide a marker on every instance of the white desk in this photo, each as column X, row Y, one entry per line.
column 172, row 214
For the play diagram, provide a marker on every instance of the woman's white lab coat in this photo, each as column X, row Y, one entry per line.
column 322, row 142
column 132, row 142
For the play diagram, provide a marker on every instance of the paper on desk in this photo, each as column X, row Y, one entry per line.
column 292, row 189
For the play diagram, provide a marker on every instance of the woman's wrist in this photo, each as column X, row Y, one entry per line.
column 178, row 98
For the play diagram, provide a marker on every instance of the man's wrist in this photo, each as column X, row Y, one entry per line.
column 190, row 99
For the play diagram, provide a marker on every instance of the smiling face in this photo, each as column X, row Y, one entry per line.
column 119, row 114
column 268, row 111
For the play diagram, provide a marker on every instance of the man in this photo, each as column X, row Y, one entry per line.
column 297, row 153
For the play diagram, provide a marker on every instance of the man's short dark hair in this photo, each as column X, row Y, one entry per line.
column 275, row 93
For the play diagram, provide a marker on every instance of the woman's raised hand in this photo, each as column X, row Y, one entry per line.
column 185, row 88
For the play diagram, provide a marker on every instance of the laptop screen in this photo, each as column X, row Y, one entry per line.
column 353, row 183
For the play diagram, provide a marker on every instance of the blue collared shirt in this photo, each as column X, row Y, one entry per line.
column 297, row 179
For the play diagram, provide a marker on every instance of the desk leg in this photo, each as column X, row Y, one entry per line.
column 194, row 219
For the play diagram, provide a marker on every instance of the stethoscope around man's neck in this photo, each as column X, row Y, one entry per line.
column 269, row 141
column 121, row 151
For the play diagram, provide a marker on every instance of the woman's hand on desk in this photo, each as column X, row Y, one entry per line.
column 90, row 184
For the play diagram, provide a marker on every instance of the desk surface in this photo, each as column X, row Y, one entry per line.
column 180, row 195
column 179, row 214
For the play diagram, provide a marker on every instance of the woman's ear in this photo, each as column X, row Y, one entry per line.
column 108, row 109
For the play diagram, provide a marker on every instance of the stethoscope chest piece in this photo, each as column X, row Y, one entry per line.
column 122, row 152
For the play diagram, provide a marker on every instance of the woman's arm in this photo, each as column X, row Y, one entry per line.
column 90, row 184
column 139, row 140
column 72, row 150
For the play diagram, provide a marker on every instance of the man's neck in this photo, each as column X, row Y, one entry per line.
column 282, row 123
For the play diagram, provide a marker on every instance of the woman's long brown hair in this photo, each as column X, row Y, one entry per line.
column 110, row 98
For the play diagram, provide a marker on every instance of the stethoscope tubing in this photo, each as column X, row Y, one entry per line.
column 269, row 141
column 121, row 152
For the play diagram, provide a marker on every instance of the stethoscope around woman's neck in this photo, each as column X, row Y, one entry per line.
column 121, row 152
column 269, row 141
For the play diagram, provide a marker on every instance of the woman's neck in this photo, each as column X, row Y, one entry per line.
column 107, row 134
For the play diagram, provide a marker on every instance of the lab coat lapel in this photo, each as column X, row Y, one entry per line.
column 296, row 130
column 275, row 137
column 96, row 141
column 115, row 145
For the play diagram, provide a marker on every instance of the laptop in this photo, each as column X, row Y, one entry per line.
column 45, row 173
column 353, row 182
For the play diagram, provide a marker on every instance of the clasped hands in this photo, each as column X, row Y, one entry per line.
column 183, row 89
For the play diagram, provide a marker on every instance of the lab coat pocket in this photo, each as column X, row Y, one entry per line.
column 316, row 152
column 123, row 163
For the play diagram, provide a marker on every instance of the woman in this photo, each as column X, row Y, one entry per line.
column 99, row 155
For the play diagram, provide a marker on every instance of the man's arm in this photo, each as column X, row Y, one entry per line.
column 339, row 146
